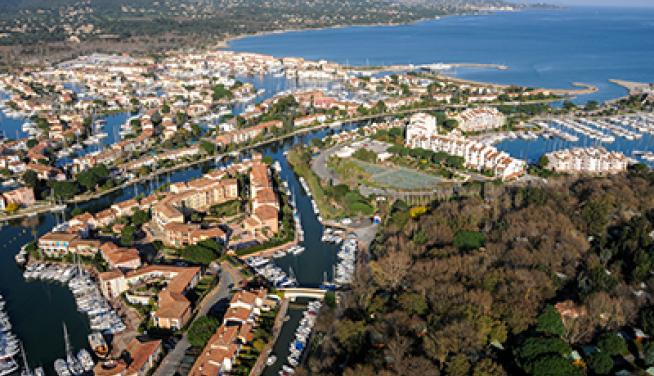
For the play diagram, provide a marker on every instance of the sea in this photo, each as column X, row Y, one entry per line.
column 545, row 48
column 542, row 48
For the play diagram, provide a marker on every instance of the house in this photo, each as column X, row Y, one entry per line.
column 120, row 258
column 56, row 244
column 222, row 349
column 23, row 196
column 125, row 208
column 142, row 356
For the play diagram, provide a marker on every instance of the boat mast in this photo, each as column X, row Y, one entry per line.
column 69, row 351
column 27, row 370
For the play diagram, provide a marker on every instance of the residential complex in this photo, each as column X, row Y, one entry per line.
column 421, row 134
column 220, row 353
column 587, row 160
column 173, row 308
column 479, row 119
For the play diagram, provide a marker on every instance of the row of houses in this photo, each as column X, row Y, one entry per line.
column 222, row 349
column 421, row 132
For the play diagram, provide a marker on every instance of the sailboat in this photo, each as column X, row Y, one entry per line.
column 26, row 366
column 71, row 361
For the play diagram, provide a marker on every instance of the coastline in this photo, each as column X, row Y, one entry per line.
column 579, row 88
column 225, row 42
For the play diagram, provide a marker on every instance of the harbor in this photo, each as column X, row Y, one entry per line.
column 42, row 335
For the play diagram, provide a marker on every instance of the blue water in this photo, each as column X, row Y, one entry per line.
column 543, row 48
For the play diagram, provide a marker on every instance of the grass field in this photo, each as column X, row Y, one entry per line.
column 398, row 177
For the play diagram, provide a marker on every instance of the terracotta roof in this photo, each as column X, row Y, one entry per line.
column 141, row 352
column 237, row 314
column 58, row 236
column 266, row 212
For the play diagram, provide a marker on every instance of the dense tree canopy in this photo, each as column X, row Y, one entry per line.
column 479, row 282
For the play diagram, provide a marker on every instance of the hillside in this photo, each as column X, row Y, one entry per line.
column 152, row 24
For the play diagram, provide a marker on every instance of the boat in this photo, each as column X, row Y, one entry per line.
column 296, row 250
column 271, row 360
column 7, row 367
column 85, row 360
column 61, row 368
column 98, row 345
column 39, row 372
column 74, row 366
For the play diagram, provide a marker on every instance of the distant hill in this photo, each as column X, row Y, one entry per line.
column 45, row 28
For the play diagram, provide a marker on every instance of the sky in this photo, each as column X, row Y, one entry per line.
column 622, row 3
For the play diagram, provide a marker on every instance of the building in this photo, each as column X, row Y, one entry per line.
column 142, row 356
column 587, row 160
column 119, row 257
column 421, row 125
column 218, row 356
column 173, row 308
column 480, row 119
column 23, row 196
column 56, row 244
column 476, row 155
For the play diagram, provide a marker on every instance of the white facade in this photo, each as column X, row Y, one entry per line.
column 587, row 160
column 480, row 119
column 476, row 155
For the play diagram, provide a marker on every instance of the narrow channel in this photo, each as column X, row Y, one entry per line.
column 37, row 309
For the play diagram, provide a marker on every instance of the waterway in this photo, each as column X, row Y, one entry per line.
column 37, row 309
column 542, row 48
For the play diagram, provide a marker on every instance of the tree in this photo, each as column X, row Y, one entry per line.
column 601, row 363
column 201, row 331
column 220, row 92
column 350, row 334
column 31, row 179
column 330, row 299
column 127, row 235
column 612, row 344
column 450, row 124
column 140, row 217
column 198, row 255
column 459, row 365
column 543, row 161
column 553, row 365
column 549, row 322
column 487, row 367
column 12, row 207
column 64, row 189
column 208, row 147
column 389, row 271
column 469, row 240
column 646, row 319
column 648, row 356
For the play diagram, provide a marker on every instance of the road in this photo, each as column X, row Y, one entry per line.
column 173, row 359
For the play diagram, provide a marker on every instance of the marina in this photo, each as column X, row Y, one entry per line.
column 322, row 255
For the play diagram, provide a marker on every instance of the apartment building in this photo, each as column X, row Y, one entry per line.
column 476, row 155
column 480, row 119
column 587, row 160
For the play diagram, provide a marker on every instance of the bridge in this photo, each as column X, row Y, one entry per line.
column 301, row 292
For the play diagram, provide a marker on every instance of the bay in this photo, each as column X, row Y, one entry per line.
column 542, row 48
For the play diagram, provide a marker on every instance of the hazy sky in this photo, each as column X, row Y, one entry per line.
column 642, row 3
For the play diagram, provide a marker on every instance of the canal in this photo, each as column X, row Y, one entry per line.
column 37, row 309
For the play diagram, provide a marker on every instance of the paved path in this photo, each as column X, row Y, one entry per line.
column 173, row 359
